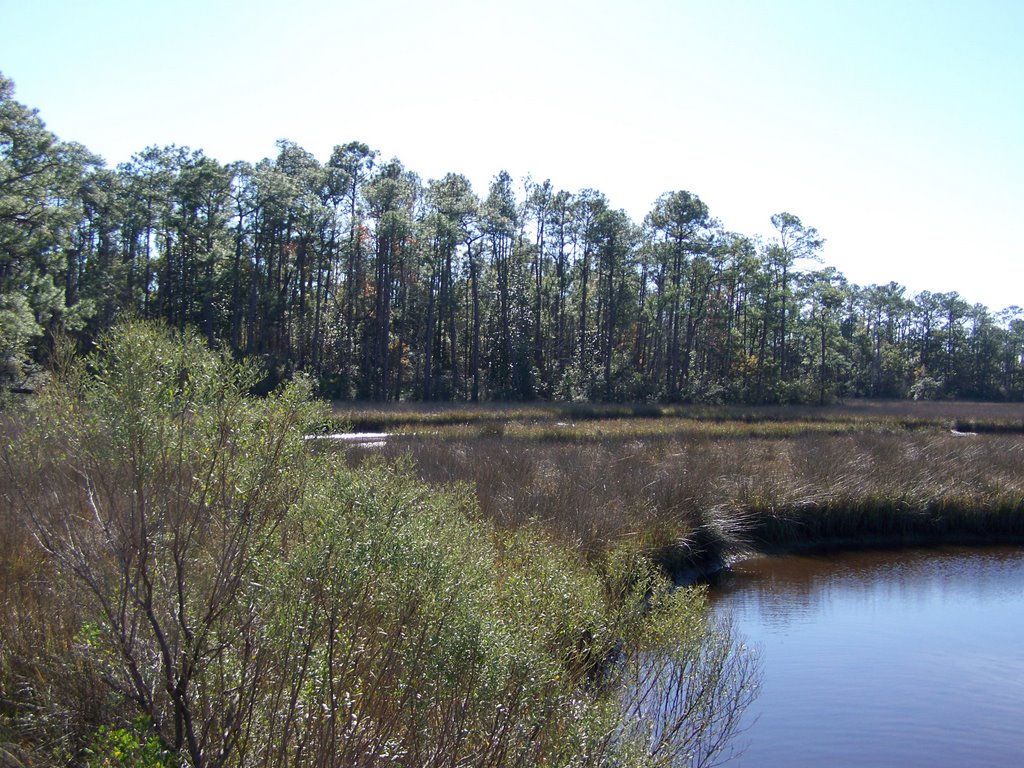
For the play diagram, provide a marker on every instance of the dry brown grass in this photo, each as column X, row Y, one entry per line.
column 682, row 487
column 863, row 414
column 48, row 697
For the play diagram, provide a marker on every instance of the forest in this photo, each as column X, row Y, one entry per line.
column 385, row 287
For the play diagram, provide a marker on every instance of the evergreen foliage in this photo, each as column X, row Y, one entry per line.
column 384, row 287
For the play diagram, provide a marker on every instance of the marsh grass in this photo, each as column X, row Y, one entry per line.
column 546, row 420
column 48, row 695
column 692, row 489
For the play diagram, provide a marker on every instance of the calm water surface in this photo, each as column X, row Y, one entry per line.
column 892, row 658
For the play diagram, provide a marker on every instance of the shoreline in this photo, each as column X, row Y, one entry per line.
column 700, row 568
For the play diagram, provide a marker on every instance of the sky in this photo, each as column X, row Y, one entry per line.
column 894, row 127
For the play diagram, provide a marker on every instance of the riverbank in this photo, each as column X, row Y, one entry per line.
column 697, row 568
column 695, row 486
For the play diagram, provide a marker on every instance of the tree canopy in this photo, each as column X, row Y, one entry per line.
column 384, row 286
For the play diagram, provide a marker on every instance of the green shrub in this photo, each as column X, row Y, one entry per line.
column 135, row 746
column 151, row 479
column 259, row 603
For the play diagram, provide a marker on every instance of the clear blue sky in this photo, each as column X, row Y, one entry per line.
column 894, row 127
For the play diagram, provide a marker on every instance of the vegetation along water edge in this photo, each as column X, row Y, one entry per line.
column 695, row 485
column 187, row 580
column 191, row 575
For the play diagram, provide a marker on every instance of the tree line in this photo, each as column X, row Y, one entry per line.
column 387, row 287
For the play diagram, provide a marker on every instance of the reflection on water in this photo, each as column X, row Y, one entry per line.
column 908, row 658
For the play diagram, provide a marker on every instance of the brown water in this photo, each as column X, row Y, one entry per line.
column 891, row 658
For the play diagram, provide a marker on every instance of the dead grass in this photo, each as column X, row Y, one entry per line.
column 48, row 697
column 641, row 417
column 684, row 487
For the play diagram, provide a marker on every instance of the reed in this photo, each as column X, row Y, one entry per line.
column 710, row 489
column 870, row 415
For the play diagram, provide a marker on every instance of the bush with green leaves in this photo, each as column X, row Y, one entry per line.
column 152, row 480
column 131, row 746
column 417, row 634
column 262, row 603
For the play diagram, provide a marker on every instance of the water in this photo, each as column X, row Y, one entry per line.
column 891, row 658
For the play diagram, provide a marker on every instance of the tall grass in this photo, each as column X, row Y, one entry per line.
column 871, row 415
column 683, row 497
